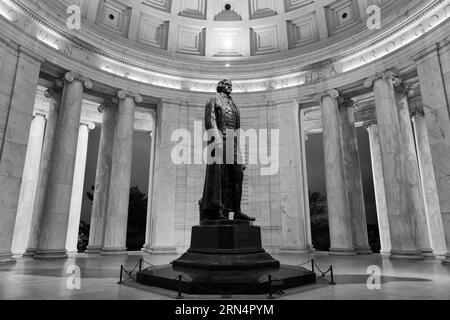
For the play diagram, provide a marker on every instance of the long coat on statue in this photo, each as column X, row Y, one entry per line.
column 217, row 190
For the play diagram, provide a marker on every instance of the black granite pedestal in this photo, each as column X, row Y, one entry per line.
column 226, row 257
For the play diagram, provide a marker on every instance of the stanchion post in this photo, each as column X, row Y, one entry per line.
column 180, row 277
column 332, row 276
column 312, row 265
column 121, row 273
column 270, row 288
column 140, row 264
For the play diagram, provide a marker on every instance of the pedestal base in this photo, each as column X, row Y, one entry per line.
column 50, row 254
column 226, row 245
column 363, row 250
column 406, row 254
column 113, row 251
column 93, row 250
column 6, row 258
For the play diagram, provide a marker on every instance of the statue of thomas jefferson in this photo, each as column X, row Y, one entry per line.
column 222, row 192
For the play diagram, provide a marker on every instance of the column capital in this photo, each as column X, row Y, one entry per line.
column 89, row 124
column 123, row 94
column 417, row 113
column 39, row 114
column 369, row 123
column 332, row 93
column 108, row 103
column 72, row 76
column 403, row 90
column 388, row 74
column 54, row 90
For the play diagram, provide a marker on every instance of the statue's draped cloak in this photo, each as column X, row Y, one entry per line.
column 217, row 192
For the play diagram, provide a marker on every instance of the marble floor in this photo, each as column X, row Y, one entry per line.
column 48, row 280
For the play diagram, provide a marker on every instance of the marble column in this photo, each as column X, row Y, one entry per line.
column 353, row 179
column 378, row 182
column 293, row 218
column 148, row 235
column 102, row 177
column 303, row 139
column 119, row 187
column 401, row 221
column 164, row 198
column 432, row 68
column 76, row 200
column 18, row 105
column 54, row 223
column 339, row 217
column 29, row 184
column 429, row 188
column 54, row 95
column 414, row 193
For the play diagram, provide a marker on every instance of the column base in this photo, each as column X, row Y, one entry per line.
column 385, row 252
column 294, row 250
column 446, row 261
column 29, row 252
column 342, row 252
column 146, row 248
column 93, row 250
column 427, row 253
column 50, row 254
column 7, row 258
column 406, row 254
column 311, row 248
column 163, row 250
column 363, row 250
column 113, row 251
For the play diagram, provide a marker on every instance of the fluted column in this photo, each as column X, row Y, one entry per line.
column 19, row 80
column 355, row 192
column 338, row 208
column 29, row 184
column 76, row 200
column 119, row 187
column 148, row 235
column 54, row 95
column 429, row 188
column 53, row 229
column 412, row 178
column 303, row 139
column 378, row 182
column 432, row 64
column 102, row 176
column 401, row 221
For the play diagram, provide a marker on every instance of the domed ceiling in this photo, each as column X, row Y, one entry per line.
column 229, row 30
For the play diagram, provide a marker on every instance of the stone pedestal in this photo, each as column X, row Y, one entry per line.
column 226, row 245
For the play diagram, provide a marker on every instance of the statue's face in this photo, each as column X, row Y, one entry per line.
column 228, row 87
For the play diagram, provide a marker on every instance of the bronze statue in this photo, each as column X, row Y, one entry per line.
column 222, row 192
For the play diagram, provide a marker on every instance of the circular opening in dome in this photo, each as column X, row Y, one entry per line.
column 111, row 16
column 344, row 16
column 227, row 6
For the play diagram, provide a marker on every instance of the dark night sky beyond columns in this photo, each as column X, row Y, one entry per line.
column 314, row 154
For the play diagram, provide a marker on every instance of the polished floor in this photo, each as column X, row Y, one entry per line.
column 50, row 280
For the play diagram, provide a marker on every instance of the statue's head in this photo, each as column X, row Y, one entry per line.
column 225, row 86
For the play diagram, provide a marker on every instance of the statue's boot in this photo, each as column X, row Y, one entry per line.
column 215, row 215
column 243, row 216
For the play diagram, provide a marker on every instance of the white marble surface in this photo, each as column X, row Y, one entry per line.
column 414, row 192
column 102, row 178
column 401, row 222
column 78, row 187
column 29, row 184
column 380, row 194
column 53, row 228
column 119, row 186
column 352, row 167
column 338, row 209
column 438, row 124
column 15, row 139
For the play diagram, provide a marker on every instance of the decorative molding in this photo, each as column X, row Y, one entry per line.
column 163, row 5
column 264, row 40
column 290, row 5
column 261, row 9
column 123, row 94
column 72, row 76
